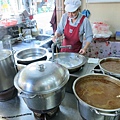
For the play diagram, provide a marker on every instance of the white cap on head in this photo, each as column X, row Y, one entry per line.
column 72, row 5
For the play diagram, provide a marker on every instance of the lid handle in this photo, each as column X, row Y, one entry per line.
column 41, row 67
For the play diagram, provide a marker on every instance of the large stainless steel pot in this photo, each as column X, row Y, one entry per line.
column 115, row 72
column 7, row 69
column 42, row 84
column 87, row 110
column 29, row 55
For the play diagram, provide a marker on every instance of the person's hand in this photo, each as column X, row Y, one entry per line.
column 82, row 51
column 54, row 38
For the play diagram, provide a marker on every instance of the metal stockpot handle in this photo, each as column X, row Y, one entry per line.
column 106, row 114
column 21, row 94
column 97, row 70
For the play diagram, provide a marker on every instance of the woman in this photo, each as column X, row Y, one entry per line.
column 74, row 26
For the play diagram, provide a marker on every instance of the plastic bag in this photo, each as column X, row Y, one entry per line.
column 101, row 30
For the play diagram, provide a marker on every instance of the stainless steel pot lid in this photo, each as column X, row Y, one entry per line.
column 5, row 53
column 41, row 77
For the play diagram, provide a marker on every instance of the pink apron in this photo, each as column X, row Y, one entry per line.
column 71, row 34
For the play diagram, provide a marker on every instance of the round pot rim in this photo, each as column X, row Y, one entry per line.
column 74, row 67
column 93, row 107
column 111, row 73
column 24, row 60
column 10, row 53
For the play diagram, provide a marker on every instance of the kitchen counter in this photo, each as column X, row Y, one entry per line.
column 19, row 45
column 16, row 109
column 86, row 69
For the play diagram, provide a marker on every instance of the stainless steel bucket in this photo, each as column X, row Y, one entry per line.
column 7, row 69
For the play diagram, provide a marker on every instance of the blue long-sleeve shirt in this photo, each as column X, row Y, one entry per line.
column 85, row 28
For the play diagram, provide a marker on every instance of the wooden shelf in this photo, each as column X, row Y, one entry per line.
column 113, row 39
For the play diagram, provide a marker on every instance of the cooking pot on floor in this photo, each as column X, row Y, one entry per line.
column 7, row 70
column 98, row 96
column 42, row 85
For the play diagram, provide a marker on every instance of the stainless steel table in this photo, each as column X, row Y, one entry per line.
column 68, row 108
column 16, row 107
column 30, row 44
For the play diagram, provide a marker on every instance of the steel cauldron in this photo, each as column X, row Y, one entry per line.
column 42, row 85
column 7, row 69
column 110, row 66
column 98, row 96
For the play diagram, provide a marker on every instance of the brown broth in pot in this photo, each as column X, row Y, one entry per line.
column 100, row 93
column 111, row 66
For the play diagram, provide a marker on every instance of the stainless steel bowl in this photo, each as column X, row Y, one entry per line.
column 72, row 61
column 29, row 55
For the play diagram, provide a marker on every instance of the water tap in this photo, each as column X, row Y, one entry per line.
column 58, row 44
